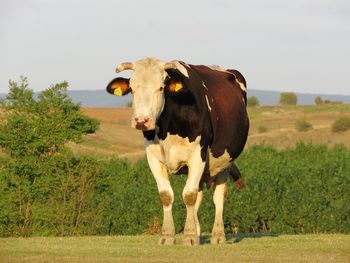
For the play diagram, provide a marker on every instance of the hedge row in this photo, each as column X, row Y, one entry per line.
column 305, row 189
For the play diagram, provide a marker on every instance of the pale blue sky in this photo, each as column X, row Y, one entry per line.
column 300, row 45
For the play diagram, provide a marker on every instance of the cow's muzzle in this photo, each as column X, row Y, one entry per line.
column 142, row 123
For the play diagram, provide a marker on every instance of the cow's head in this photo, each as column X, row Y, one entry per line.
column 146, row 84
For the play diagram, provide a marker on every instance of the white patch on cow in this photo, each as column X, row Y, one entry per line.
column 216, row 165
column 159, row 171
column 186, row 65
column 177, row 151
column 218, row 68
column 203, row 84
column 181, row 68
column 242, row 86
column 145, row 82
column 206, row 98
column 195, row 170
column 154, row 148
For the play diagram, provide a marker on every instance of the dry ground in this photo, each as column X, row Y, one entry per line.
column 116, row 138
column 286, row 248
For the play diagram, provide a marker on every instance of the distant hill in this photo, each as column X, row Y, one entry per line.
column 100, row 98
column 94, row 98
column 272, row 97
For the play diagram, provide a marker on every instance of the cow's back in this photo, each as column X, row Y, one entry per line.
column 226, row 99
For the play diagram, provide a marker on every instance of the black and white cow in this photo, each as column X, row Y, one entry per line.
column 194, row 121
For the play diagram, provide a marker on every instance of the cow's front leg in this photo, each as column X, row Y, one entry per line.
column 190, row 193
column 196, row 208
column 166, row 197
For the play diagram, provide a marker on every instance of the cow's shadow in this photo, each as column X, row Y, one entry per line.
column 231, row 238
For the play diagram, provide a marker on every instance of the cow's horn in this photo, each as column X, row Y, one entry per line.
column 124, row 66
column 169, row 65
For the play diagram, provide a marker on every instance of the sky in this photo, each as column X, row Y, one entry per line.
column 297, row 46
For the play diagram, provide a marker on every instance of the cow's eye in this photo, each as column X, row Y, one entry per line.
column 161, row 88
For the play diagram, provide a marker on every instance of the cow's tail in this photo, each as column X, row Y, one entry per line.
column 236, row 176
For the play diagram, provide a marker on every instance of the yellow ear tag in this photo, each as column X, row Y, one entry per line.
column 178, row 86
column 118, row 91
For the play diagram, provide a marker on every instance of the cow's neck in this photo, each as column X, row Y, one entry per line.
column 183, row 118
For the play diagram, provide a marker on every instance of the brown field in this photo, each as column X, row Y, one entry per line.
column 116, row 138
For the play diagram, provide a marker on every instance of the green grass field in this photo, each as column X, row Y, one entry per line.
column 248, row 248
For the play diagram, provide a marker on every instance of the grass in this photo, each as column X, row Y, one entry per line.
column 328, row 107
column 245, row 248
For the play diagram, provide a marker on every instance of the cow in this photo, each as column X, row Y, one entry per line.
column 194, row 121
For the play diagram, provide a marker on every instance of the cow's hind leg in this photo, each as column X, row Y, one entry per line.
column 220, row 191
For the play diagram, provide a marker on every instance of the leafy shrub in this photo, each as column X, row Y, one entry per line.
column 288, row 98
column 295, row 191
column 341, row 124
column 49, row 190
column 253, row 101
column 318, row 100
column 302, row 125
column 304, row 189
column 262, row 129
column 154, row 227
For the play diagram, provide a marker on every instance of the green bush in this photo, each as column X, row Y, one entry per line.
column 341, row 124
column 302, row 125
column 304, row 189
column 318, row 100
column 288, row 98
column 43, row 188
column 298, row 190
column 253, row 101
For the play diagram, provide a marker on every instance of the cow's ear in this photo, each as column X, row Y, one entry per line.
column 118, row 87
column 174, row 85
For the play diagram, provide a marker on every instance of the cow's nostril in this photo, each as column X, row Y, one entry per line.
column 141, row 119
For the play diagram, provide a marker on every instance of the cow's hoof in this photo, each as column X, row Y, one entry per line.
column 218, row 239
column 191, row 240
column 166, row 240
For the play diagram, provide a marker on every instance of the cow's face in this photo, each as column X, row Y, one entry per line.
column 146, row 85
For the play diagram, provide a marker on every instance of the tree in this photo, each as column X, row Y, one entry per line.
column 34, row 133
column 36, row 127
column 253, row 101
column 318, row 100
column 288, row 98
